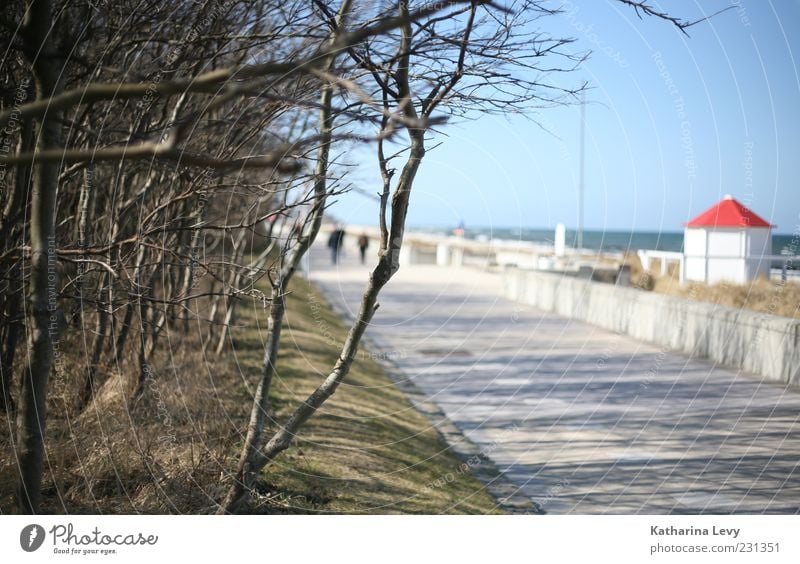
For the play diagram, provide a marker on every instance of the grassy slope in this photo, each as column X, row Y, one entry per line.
column 367, row 451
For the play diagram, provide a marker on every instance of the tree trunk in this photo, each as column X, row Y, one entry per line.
column 90, row 383
column 31, row 415
column 254, row 459
column 84, row 212
column 386, row 268
column 127, row 320
column 247, row 468
column 14, row 292
column 233, row 298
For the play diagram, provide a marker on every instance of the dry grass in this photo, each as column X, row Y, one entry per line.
column 367, row 451
column 761, row 295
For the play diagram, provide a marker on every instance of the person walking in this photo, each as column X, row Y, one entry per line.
column 363, row 243
column 335, row 242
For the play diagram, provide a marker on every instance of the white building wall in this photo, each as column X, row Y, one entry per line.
column 726, row 270
column 695, row 269
column 694, row 242
column 725, row 243
column 755, row 268
column 759, row 242
column 694, row 249
column 726, row 254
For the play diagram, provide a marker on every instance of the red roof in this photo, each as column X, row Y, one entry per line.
column 728, row 213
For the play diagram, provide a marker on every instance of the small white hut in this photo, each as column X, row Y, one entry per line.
column 727, row 242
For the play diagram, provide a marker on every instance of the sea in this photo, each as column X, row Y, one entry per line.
column 604, row 241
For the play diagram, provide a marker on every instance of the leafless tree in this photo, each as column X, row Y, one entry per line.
column 475, row 58
column 472, row 59
column 133, row 178
column 150, row 176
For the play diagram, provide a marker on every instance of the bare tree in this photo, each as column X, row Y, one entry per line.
column 474, row 67
column 473, row 59
column 131, row 254
column 198, row 138
column 152, row 176
column 44, row 319
column 248, row 461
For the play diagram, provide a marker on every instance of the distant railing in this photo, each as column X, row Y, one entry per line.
column 647, row 256
column 789, row 264
column 449, row 250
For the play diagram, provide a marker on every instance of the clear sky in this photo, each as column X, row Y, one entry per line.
column 673, row 124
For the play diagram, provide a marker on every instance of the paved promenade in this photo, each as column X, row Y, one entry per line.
column 581, row 420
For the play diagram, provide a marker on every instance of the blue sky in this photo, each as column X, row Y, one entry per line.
column 673, row 124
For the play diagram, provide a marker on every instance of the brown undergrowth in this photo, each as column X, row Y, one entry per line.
column 367, row 451
column 761, row 295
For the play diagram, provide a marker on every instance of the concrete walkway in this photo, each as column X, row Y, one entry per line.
column 581, row 420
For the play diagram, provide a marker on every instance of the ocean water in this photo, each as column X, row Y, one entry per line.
column 607, row 241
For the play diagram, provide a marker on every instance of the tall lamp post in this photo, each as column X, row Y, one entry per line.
column 579, row 237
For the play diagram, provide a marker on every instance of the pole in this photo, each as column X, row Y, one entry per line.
column 579, row 238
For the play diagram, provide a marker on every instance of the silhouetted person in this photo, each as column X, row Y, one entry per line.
column 335, row 243
column 363, row 243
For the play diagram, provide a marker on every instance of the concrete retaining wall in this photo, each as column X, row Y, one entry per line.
column 762, row 344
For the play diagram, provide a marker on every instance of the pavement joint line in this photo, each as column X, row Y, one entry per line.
column 710, row 429
column 508, row 496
